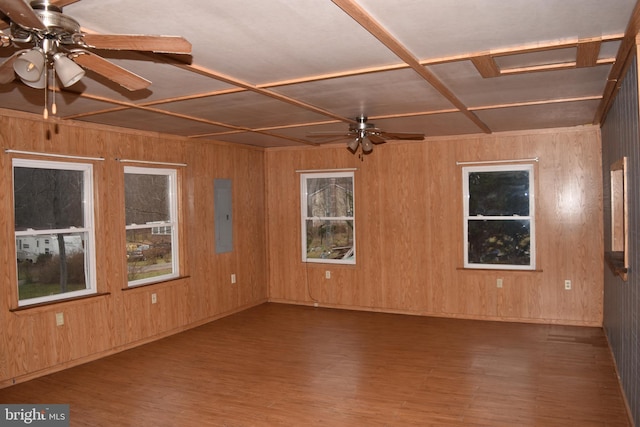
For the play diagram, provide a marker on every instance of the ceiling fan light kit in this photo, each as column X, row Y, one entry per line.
column 68, row 71
column 30, row 65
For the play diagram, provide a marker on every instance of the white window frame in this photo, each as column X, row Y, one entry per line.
column 88, row 230
column 303, row 209
column 172, row 174
column 531, row 217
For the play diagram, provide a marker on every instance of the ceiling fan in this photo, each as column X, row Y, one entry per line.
column 50, row 43
column 366, row 134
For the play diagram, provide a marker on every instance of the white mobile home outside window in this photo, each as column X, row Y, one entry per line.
column 151, row 214
column 499, row 220
column 328, row 217
column 54, row 231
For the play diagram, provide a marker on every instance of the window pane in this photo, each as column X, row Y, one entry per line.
column 329, row 239
column 499, row 242
column 149, row 253
column 147, row 198
column 503, row 193
column 330, row 197
column 47, row 199
column 53, row 268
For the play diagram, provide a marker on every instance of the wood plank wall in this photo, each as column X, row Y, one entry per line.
column 621, row 137
column 31, row 344
column 408, row 206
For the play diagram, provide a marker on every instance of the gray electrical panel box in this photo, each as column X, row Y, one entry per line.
column 223, row 215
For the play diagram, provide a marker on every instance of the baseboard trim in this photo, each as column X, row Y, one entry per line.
column 563, row 322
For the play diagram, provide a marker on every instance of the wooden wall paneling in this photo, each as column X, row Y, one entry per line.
column 7, row 273
column 409, row 229
column 287, row 280
column 31, row 344
column 250, row 264
column 145, row 319
column 212, row 292
column 296, row 281
column 369, row 225
column 224, row 294
column 445, row 247
column 199, row 223
column 41, row 344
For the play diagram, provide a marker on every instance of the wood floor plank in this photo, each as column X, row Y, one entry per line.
column 282, row 365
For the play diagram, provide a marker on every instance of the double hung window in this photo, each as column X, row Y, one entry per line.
column 499, row 221
column 151, row 224
column 328, row 221
column 53, row 216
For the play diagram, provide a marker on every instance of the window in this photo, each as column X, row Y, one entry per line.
column 499, row 226
column 328, row 225
column 151, row 224
column 53, row 202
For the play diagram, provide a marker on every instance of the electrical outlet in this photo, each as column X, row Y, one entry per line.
column 567, row 285
column 499, row 283
column 233, row 278
column 327, row 274
column 154, row 298
column 59, row 319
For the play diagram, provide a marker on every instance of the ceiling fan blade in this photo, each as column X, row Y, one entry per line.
column 403, row 135
column 158, row 44
column 330, row 134
column 7, row 75
column 111, row 71
column 19, row 12
column 376, row 139
column 63, row 3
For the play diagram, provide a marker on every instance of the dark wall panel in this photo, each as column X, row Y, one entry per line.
column 620, row 138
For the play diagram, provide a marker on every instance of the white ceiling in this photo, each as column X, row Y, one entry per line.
column 268, row 72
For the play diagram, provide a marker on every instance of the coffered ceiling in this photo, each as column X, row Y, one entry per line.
column 268, row 72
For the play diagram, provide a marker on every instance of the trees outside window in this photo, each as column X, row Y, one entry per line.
column 499, row 221
column 328, row 218
column 151, row 224
column 53, row 217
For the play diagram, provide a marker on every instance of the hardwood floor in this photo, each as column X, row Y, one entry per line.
column 280, row 365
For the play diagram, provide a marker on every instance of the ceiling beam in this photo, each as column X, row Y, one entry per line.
column 486, row 66
column 588, row 53
column 627, row 47
column 379, row 32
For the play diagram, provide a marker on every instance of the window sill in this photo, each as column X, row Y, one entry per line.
column 615, row 261
column 160, row 282
column 501, row 270
column 46, row 305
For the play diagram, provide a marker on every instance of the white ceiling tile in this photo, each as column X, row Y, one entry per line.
column 436, row 28
column 151, row 121
column 390, row 92
column 540, row 116
column 475, row 91
column 246, row 109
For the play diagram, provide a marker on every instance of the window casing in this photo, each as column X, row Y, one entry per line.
column 499, row 217
column 328, row 217
column 151, row 215
column 54, row 230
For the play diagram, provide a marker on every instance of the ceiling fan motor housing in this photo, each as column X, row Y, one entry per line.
column 60, row 27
